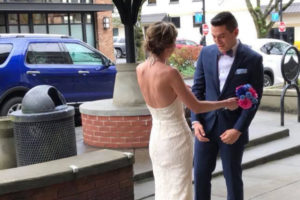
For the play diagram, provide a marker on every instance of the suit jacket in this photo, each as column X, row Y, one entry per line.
column 246, row 68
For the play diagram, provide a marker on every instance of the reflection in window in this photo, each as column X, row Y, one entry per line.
column 2, row 19
column 75, row 18
column 5, row 49
column 39, row 23
column 45, row 53
column 81, row 55
column 2, row 29
column 176, row 21
column 57, row 18
column 12, row 18
column 39, row 18
column 115, row 32
column 88, row 19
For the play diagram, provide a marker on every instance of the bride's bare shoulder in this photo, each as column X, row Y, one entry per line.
column 140, row 67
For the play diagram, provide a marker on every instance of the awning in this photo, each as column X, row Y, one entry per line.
column 54, row 7
column 151, row 18
column 293, row 8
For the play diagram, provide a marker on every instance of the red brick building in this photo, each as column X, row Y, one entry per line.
column 87, row 20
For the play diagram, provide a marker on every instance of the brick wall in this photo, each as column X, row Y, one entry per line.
column 112, row 185
column 104, row 37
column 116, row 131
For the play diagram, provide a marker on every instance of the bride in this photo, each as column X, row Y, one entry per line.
column 164, row 92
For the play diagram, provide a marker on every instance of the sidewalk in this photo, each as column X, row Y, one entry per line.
column 271, row 181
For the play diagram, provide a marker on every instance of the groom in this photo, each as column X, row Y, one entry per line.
column 220, row 69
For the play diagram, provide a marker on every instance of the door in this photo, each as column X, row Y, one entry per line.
column 97, row 74
column 47, row 63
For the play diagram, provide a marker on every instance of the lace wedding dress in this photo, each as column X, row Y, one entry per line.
column 171, row 153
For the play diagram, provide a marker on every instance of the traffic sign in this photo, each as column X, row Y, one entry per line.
column 281, row 27
column 274, row 16
column 198, row 18
column 205, row 29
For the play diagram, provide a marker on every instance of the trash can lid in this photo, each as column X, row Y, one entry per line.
column 43, row 98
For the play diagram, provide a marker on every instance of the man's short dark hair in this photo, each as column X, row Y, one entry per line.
column 225, row 18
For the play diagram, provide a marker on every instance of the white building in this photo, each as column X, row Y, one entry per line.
column 182, row 12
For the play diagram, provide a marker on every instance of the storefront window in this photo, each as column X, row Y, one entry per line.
column 24, row 25
column 76, row 25
column 2, row 24
column 58, row 23
column 39, row 23
column 13, row 23
column 90, row 36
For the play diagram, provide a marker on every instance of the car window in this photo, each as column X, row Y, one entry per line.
column 188, row 42
column 5, row 49
column 274, row 48
column 82, row 55
column 122, row 40
column 45, row 53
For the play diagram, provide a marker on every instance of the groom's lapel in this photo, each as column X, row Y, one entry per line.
column 215, row 69
column 239, row 57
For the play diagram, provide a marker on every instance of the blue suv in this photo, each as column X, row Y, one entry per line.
column 80, row 72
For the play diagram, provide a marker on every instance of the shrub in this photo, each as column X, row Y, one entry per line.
column 183, row 59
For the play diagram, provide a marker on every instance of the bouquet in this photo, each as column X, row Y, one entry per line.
column 247, row 96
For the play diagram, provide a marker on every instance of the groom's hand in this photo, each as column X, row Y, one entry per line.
column 230, row 136
column 199, row 132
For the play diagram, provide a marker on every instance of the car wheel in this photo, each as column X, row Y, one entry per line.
column 11, row 105
column 267, row 80
column 119, row 53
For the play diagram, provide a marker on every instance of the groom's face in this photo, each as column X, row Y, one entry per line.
column 223, row 38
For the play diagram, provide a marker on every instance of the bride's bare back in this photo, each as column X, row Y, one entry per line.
column 154, row 83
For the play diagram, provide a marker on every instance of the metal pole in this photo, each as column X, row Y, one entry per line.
column 280, row 7
column 203, row 21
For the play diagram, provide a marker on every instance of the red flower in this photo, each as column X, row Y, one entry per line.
column 253, row 92
column 245, row 103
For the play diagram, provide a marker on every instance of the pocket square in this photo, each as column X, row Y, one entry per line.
column 241, row 71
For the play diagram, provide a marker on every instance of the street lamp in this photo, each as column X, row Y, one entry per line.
column 280, row 10
column 203, row 21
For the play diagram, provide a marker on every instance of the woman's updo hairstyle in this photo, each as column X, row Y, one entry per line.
column 159, row 36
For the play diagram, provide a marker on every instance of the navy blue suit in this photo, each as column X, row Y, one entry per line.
column 246, row 68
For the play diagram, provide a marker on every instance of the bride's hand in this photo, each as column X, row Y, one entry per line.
column 232, row 103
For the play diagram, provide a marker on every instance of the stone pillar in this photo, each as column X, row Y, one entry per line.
column 127, row 91
column 7, row 144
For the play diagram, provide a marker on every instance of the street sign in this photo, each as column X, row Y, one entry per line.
column 205, row 29
column 198, row 18
column 281, row 27
column 274, row 16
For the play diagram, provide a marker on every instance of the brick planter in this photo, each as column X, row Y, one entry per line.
column 109, row 126
column 116, row 131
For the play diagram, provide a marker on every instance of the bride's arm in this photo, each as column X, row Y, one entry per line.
column 188, row 98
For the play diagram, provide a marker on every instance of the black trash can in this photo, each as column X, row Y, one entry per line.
column 44, row 129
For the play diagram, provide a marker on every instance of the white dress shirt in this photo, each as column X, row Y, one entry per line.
column 224, row 65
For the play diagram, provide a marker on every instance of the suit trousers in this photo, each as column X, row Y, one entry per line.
column 205, row 156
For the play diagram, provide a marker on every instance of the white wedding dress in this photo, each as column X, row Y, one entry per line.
column 171, row 152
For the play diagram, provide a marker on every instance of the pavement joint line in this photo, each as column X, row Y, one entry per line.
column 145, row 197
column 267, row 192
column 263, row 160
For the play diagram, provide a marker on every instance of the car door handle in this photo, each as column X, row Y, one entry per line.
column 83, row 72
column 33, row 72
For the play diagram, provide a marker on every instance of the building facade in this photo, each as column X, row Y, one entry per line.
column 86, row 20
column 182, row 12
